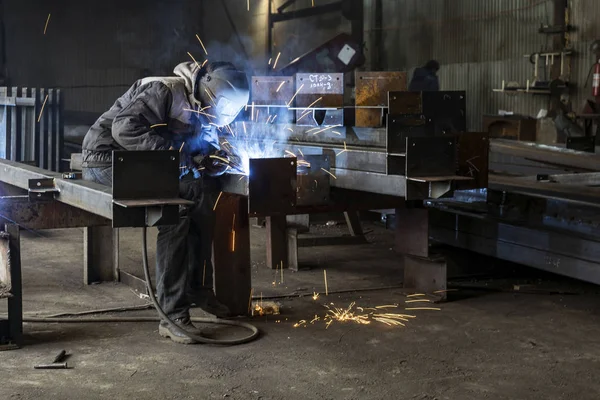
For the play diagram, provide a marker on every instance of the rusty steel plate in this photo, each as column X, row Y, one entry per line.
column 272, row 90
column 5, row 278
column 372, row 91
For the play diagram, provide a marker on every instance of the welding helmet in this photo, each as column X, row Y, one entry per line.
column 225, row 89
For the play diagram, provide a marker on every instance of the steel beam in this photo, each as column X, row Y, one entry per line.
column 88, row 196
column 551, row 155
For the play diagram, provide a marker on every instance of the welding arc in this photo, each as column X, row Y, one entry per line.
column 200, row 339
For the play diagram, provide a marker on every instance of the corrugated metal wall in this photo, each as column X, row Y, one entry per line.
column 479, row 44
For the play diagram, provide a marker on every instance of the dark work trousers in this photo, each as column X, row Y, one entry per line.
column 184, row 269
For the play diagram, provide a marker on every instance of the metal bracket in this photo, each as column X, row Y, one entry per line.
column 42, row 189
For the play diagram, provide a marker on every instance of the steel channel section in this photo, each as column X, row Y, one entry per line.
column 552, row 251
column 547, row 154
column 88, row 196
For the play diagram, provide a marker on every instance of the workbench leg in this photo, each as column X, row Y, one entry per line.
column 423, row 272
column 292, row 248
column 100, row 246
column 412, row 231
column 231, row 254
column 426, row 275
column 15, row 303
column 276, row 242
column 353, row 222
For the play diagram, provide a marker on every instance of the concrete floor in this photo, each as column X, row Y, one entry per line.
column 484, row 345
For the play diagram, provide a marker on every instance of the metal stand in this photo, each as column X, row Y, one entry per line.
column 11, row 330
column 231, row 255
column 423, row 272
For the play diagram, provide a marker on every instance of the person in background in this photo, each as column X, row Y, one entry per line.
column 425, row 78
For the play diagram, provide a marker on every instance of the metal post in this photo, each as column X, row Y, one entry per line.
column 15, row 303
column 99, row 254
column 353, row 222
column 276, row 242
column 231, row 255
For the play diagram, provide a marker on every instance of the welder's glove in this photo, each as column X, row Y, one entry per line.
column 214, row 164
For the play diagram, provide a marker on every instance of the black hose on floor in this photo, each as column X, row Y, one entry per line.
column 200, row 339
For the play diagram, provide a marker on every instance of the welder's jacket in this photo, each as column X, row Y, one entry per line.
column 129, row 124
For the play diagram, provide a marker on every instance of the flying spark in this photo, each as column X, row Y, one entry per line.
column 290, row 153
column 337, row 133
column 181, row 147
column 444, row 291
column 244, row 125
column 199, row 112
column 248, row 3
column 202, row 44
column 252, row 115
column 304, row 115
column 276, row 59
column 416, row 295
column 226, row 161
column 301, row 153
column 332, row 175
column 233, row 241
column 295, row 94
column 325, row 278
column 418, row 301
column 204, row 62
column 280, row 85
column 315, row 296
column 290, row 129
column 42, row 110
column 423, row 308
column 193, row 59
column 270, row 59
column 217, row 202
column 46, row 26
column 157, row 125
column 273, row 120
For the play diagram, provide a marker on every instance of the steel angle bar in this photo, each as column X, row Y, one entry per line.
column 547, row 154
column 88, row 196
column 394, row 185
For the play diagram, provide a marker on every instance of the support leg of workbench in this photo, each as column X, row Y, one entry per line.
column 276, row 242
column 100, row 254
column 353, row 222
column 15, row 303
column 231, row 254
column 423, row 272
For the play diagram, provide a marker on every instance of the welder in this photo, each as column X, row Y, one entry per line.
column 182, row 112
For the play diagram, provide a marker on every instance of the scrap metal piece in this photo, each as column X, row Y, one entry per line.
column 52, row 366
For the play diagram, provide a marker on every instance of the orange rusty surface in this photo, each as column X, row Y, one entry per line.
column 372, row 90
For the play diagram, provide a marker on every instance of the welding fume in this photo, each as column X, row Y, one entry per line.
column 187, row 111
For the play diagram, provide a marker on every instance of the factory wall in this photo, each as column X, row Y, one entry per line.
column 479, row 44
column 96, row 49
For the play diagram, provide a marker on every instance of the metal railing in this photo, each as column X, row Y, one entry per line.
column 31, row 126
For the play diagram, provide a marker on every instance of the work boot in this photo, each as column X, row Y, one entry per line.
column 165, row 330
column 207, row 301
